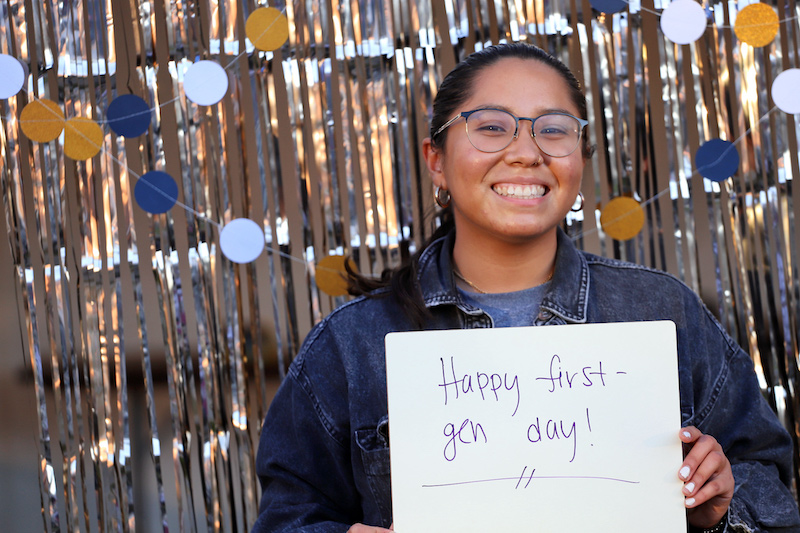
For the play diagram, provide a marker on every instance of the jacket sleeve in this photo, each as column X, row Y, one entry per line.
column 303, row 466
column 756, row 444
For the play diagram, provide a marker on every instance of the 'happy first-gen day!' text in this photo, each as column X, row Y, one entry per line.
column 496, row 386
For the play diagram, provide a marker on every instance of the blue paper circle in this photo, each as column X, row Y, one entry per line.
column 129, row 116
column 156, row 192
column 717, row 160
column 609, row 6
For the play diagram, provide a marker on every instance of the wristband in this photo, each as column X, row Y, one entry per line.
column 719, row 528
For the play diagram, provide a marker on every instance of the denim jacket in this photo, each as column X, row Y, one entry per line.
column 323, row 458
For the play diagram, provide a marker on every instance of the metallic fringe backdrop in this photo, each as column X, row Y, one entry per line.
column 318, row 142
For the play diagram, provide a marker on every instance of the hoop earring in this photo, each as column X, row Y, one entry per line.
column 580, row 207
column 442, row 197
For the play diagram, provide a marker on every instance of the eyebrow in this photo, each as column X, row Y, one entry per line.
column 508, row 110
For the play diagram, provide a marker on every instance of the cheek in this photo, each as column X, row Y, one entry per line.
column 469, row 167
column 571, row 174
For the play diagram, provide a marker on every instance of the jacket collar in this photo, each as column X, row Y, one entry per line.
column 569, row 289
column 567, row 297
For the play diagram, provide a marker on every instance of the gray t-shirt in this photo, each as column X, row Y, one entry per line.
column 509, row 309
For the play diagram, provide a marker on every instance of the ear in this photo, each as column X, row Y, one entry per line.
column 434, row 158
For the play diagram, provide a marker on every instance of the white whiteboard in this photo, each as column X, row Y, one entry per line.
column 551, row 428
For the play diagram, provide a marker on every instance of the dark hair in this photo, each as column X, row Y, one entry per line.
column 454, row 90
column 456, row 87
column 402, row 281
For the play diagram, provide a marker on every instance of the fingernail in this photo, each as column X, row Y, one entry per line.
column 685, row 472
column 689, row 502
column 689, row 488
column 687, row 434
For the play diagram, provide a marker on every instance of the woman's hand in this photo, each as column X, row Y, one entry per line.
column 361, row 528
column 708, row 478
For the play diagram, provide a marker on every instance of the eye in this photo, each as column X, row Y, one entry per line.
column 553, row 131
column 555, row 126
column 491, row 128
column 491, row 123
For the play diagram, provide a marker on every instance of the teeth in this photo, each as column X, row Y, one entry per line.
column 520, row 191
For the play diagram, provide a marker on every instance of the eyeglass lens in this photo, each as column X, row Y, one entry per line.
column 491, row 130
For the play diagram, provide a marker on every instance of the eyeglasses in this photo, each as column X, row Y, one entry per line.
column 492, row 130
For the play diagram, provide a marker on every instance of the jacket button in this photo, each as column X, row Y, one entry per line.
column 544, row 314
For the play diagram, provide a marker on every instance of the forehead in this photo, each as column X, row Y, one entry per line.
column 522, row 86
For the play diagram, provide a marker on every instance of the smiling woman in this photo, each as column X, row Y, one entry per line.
column 500, row 259
column 508, row 200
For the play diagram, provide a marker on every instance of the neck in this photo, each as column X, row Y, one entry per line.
column 499, row 266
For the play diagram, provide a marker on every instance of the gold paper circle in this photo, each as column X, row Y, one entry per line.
column 42, row 120
column 331, row 275
column 83, row 138
column 267, row 28
column 756, row 25
column 622, row 218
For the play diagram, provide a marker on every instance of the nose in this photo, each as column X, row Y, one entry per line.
column 524, row 148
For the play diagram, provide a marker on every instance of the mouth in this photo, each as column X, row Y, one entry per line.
column 522, row 192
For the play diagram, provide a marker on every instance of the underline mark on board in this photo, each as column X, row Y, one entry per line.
column 522, row 475
column 519, row 479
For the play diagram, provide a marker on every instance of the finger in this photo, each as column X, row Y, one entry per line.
column 713, row 488
column 361, row 528
column 701, row 448
column 713, row 480
column 708, row 478
column 689, row 434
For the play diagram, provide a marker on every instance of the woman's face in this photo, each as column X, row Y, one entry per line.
column 488, row 190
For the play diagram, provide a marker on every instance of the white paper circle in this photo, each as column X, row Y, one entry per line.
column 205, row 82
column 784, row 91
column 683, row 21
column 241, row 240
column 13, row 77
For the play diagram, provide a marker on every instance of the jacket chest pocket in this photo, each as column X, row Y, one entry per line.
column 373, row 445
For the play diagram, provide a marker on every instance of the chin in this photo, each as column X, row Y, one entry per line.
column 523, row 235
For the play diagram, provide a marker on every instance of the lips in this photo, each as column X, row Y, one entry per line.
column 524, row 192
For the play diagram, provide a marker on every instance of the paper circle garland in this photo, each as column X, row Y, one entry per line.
column 622, row 218
column 683, row 21
column 267, row 28
column 42, row 120
column 13, row 78
column 156, row 192
column 242, row 240
column 83, row 138
column 205, row 82
column 129, row 116
column 756, row 25
column 717, row 160
column 784, row 91
column 331, row 275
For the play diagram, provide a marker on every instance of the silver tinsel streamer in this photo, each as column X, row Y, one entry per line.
column 319, row 143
